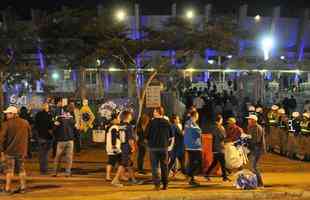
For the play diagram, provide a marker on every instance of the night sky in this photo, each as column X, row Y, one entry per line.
column 263, row 7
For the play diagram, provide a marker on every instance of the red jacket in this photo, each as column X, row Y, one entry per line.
column 233, row 133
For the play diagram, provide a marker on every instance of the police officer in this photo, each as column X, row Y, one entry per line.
column 282, row 118
column 305, row 124
column 261, row 117
column 294, row 123
column 273, row 116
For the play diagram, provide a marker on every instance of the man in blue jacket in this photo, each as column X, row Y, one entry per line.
column 192, row 142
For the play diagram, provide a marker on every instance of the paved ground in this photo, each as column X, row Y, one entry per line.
column 284, row 179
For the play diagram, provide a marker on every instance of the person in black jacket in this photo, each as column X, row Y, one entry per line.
column 64, row 135
column 141, row 132
column 44, row 126
column 159, row 135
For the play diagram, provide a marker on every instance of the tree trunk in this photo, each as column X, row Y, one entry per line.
column 81, row 86
column 131, row 84
column 143, row 94
column 1, row 97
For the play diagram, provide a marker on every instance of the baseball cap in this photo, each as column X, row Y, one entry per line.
column 231, row 120
column 11, row 109
column 254, row 117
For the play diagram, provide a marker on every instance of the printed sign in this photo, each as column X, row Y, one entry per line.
column 153, row 96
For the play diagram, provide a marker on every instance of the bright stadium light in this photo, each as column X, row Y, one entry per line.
column 282, row 57
column 120, row 15
column 267, row 45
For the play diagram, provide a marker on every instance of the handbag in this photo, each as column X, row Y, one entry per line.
column 99, row 136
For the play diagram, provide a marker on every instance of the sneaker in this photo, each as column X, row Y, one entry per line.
column 142, row 172
column 194, row 183
column 207, row 178
column 165, row 187
column 136, row 182
column 157, row 187
column 117, row 184
column 226, row 179
column 20, row 191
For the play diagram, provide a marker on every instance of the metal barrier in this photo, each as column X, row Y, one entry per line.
column 288, row 144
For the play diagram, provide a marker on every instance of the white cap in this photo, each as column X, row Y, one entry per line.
column 281, row 111
column 295, row 114
column 306, row 115
column 254, row 117
column 274, row 107
column 252, row 108
column 259, row 110
column 11, row 109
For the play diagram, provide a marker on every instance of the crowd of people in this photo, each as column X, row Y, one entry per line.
column 174, row 144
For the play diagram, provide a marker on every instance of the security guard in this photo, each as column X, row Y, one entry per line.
column 305, row 124
column 282, row 118
column 273, row 116
column 261, row 117
column 294, row 123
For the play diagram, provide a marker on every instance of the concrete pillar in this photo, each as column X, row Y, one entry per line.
column 243, row 11
column 207, row 17
column 174, row 10
column 137, row 22
column 208, row 10
column 172, row 52
column 275, row 18
column 304, row 19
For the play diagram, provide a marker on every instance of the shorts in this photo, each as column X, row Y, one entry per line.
column 14, row 164
column 114, row 159
column 126, row 160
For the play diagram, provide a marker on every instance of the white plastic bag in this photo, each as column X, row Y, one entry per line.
column 234, row 156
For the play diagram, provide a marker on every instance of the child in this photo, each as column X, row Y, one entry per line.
column 127, row 147
column 113, row 145
column 178, row 147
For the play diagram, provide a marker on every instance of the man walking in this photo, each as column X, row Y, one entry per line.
column 219, row 135
column 14, row 136
column 159, row 135
column 257, row 146
column 44, row 126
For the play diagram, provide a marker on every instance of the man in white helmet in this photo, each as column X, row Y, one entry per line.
column 282, row 118
column 305, row 124
column 294, row 123
column 273, row 116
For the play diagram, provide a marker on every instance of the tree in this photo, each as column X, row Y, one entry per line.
column 17, row 43
column 83, row 37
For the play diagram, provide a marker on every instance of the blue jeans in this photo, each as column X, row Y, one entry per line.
column 44, row 148
column 159, row 158
column 256, row 154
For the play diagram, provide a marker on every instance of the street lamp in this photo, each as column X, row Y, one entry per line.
column 257, row 18
column 190, row 14
column 267, row 44
column 55, row 76
column 120, row 15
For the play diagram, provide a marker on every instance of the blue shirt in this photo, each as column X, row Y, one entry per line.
column 126, row 130
column 192, row 136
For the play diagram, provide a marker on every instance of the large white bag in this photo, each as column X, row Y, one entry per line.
column 234, row 156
